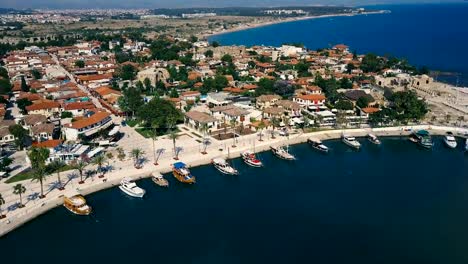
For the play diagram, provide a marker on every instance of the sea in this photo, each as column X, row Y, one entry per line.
column 432, row 35
column 394, row 203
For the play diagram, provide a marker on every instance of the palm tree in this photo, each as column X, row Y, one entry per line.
column 173, row 135
column 233, row 123
column 433, row 118
column 38, row 157
column 261, row 126
column 39, row 175
column 205, row 141
column 80, row 167
column 447, row 118
column 99, row 161
column 56, row 165
column 2, row 202
column 159, row 152
column 121, row 153
column 136, row 155
column 19, row 189
column 275, row 123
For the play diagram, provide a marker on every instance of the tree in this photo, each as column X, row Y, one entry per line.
column 261, row 126
column 4, row 163
column 36, row 74
column 38, row 157
column 39, row 175
column 363, row 102
column 226, row 58
column 173, row 136
column 275, row 122
column 193, row 39
column 372, row 63
column 19, row 189
column 408, row 106
column 20, row 135
column 2, row 202
column 121, row 154
column 127, row 72
column 346, row 83
column 344, row 105
column 215, row 44
column 137, row 153
column 209, row 54
column 130, row 100
column 66, row 114
column 174, row 93
column 22, row 104
column 56, row 166
column 79, row 63
column 80, row 167
column 24, row 85
column 159, row 112
column 99, row 161
column 148, row 85
column 5, row 86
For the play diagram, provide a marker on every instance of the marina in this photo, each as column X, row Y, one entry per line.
column 354, row 192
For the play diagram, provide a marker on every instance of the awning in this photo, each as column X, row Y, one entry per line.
column 95, row 151
column 114, row 131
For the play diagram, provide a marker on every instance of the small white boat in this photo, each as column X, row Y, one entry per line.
column 130, row 188
column 250, row 159
column 159, row 180
column 318, row 145
column 223, row 166
column 351, row 141
column 282, row 153
column 466, row 145
column 373, row 139
column 449, row 140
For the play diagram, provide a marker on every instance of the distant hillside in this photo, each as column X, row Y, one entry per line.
column 254, row 11
column 13, row 11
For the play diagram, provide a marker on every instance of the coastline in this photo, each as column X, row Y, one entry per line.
column 287, row 20
column 195, row 159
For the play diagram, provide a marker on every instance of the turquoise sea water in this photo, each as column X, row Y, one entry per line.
column 390, row 204
column 434, row 35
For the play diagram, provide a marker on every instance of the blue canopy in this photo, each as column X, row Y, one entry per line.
column 179, row 165
column 423, row 133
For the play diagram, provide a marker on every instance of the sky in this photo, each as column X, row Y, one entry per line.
column 22, row 4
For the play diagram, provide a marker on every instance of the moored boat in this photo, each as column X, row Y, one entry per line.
column 131, row 189
column 250, row 159
column 449, row 140
column 282, row 153
column 318, row 145
column 159, row 180
column 422, row 138
column 350, row 141
column 182, row 173
column 77, row 205
column 223, row 166
column 373, row 139
column 466, row 145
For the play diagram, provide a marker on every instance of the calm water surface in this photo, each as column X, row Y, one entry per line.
column 435, row 35
column 390, row 204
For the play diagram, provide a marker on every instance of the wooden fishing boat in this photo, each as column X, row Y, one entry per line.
column 182, row 173
column 77, row 205
column 159, row 180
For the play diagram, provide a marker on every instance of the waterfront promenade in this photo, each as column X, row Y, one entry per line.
column 190, row 155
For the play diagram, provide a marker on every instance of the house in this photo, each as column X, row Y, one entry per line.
column 5, row 136
column 268, row 100
column 311, row 101
column 101, row 79
column 108, row 94
column 190, row 95
column 42, row 132
column 218, row 99
column 78, row 108
column 33, row 120
column 229, row 112
column 291, row 109
column 87, row 126
column 46, row 108
column 198, row 120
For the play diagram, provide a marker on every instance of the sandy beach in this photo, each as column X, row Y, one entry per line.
column 191, row 156
column 285, row 20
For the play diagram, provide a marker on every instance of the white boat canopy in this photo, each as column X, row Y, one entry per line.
column 114, row 131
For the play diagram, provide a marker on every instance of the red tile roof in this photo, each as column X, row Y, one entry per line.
column 96, row 118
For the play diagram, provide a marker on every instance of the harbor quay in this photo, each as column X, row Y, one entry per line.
column 191, row 156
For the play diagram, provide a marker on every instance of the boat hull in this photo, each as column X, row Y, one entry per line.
column 449, row 144
column 283, row 157
column 317, row 147
column 78, row 212
column 252, row 164
column 132, row 194
column 182, row 178
column 351, row 145
column 223, row 171
column 161, row 183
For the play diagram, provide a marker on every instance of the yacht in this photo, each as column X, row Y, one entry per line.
column 77, row 205
column 250, row 159
column 130, row 188
column 223, row 166
column 318, row 145
column 373, row 139
column 449, row 140
column 282, row 153
column 182, row 173
column 159, row 180
column 351, row 141
column 422, row 138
